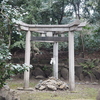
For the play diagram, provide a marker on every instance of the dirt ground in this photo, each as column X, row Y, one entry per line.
column 84, row 90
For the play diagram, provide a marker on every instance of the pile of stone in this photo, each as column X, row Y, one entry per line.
column 52, row 84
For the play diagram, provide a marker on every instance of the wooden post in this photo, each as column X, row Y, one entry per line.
column 71, row 61
column 27, row 60
column 55, row 56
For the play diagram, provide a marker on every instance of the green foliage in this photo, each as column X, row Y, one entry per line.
column 47, row 45
column 19, row 68
column 5, row 71
column 88, row 66
column 18, row 44
column 45, row 68
column 40, row 12
column 90, row 37
column 33, row 8
column 93, row 42
column 9, row 12
column 6, row 68
column 63, row 46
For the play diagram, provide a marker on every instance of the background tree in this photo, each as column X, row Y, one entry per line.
column 40, row 12
column 11, row 10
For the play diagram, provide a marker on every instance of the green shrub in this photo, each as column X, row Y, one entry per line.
column 7, row 69
column 88, row 66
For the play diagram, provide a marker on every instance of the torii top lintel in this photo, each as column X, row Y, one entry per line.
column 74, row 26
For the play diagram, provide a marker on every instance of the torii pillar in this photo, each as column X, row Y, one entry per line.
column 27, row 60
column 71, row 61
column 55, row 56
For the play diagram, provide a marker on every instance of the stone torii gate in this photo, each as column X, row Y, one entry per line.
column 50, row 33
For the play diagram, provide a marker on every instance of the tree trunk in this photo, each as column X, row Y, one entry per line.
column 82, row 41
